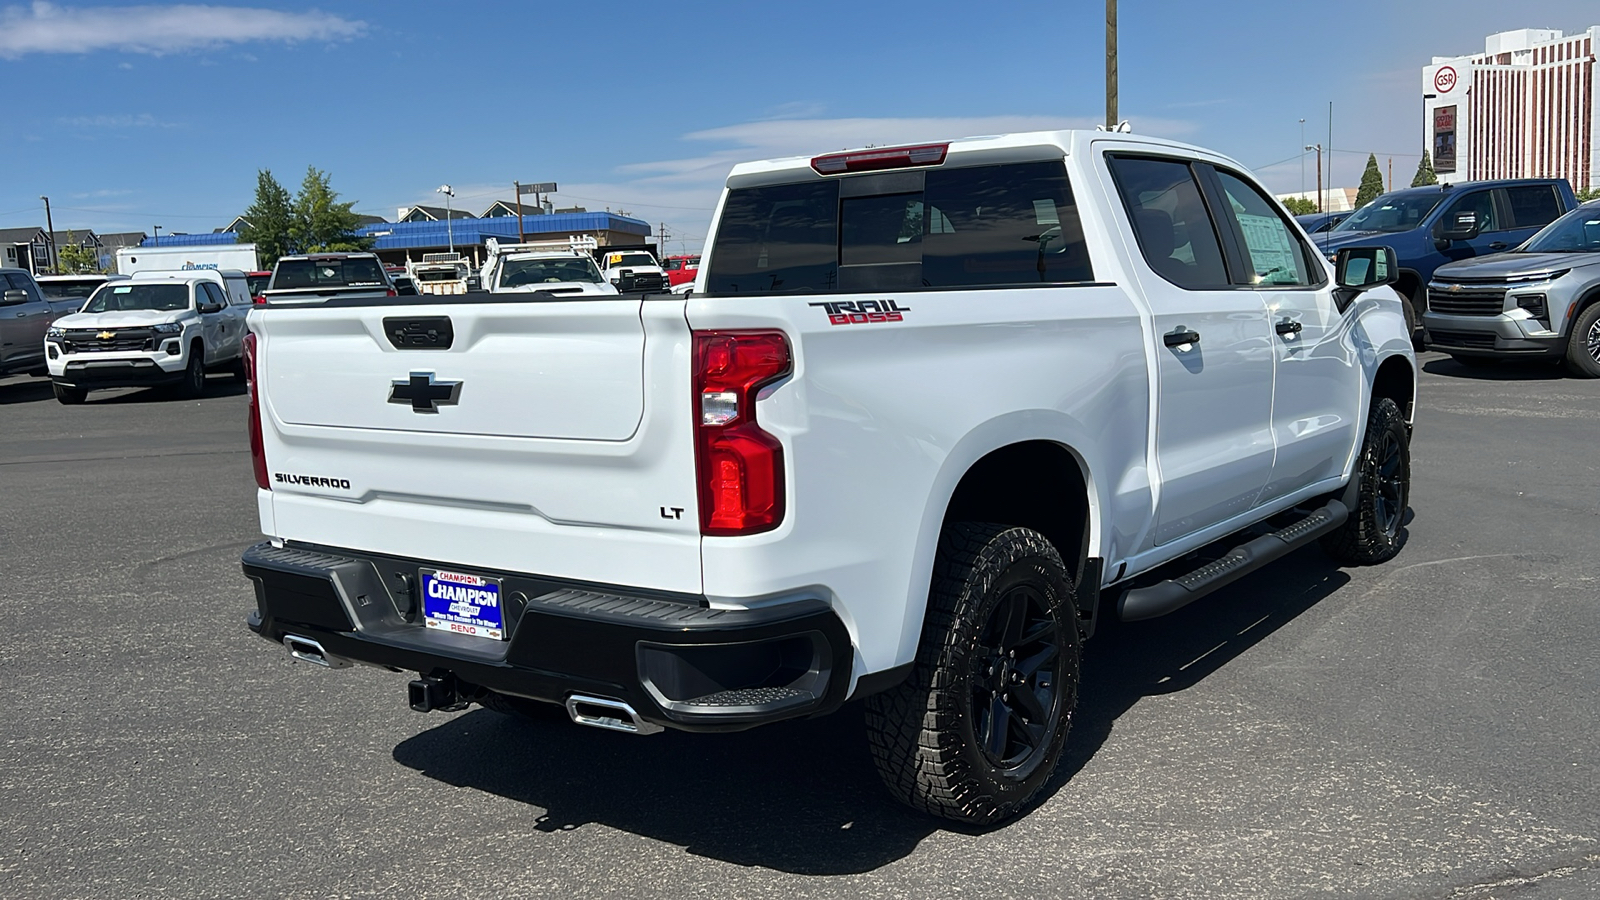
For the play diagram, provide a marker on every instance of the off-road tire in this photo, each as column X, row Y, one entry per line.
column 68, row 396
column 194, row 375
column 1383, row 471
column 1413, row 321
column 926, row 735
column 1583, row 344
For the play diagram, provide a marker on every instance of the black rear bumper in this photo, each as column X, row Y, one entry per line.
column 677, row 662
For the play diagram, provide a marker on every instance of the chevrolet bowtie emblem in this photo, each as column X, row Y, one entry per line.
column 424, row 393
column 106, row 335
column 1455, row 287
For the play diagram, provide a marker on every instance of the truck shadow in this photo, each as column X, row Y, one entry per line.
column 1499, row 370
column 30, row 390
column 803, row 797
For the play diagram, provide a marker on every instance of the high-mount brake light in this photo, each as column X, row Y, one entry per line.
column 886, row 158
column 739, row 466
column 258, row 450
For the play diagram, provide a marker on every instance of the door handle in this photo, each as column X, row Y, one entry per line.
column 22, row 315
column 1498, row 245
column 1288, row 327
column 1180, row 336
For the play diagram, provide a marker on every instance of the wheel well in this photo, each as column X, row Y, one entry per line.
column 1407, row 285
column 1396, row 381
column 1584, row 302
column 1034, row 484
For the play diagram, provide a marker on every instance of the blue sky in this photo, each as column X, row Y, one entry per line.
column 135, row 115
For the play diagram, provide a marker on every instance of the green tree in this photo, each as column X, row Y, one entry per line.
column 1424, row 172
column 1587, row 194
column 75, row 259
column 321, row 223
column 1299, row 206
column 1371, row 182
column 271, row 220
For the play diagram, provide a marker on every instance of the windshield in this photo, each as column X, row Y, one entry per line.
column 1576, row 232
column 550, row 270
column 122, row 297
column 337, row 272
column 629, row 259
column 70, row 290
column 1391, row 213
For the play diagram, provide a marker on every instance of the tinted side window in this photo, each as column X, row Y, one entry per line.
column 778, row 239
column 1275, row 256
column 1479, row 202
column 1170, row 220
column 1009, row 224
column 1534, row 206
column 23, row 283
column 213, row 294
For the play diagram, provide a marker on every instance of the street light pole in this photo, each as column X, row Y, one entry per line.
column 1302, row 159
column 158, row 236
column 50, row 236
column 1111, row 65
column 449, row 229
column 1318, row 148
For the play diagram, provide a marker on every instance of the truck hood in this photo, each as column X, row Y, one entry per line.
column 1330, row 242
column 131, row 318
column 1513, row 266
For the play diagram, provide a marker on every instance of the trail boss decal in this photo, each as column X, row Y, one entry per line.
column 861, row 312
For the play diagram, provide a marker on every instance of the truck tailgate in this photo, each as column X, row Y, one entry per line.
column 528, row 444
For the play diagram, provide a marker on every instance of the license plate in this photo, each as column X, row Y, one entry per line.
column 462, row 604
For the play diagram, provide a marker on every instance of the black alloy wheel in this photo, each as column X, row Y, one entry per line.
column 1016, row 699
column 1390, row 506
column 194, row 375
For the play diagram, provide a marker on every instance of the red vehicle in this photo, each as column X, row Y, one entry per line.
column 258, row 283
column 681, row 269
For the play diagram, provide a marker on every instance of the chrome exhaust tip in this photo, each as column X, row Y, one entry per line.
column 612, row 715
column 307, row 650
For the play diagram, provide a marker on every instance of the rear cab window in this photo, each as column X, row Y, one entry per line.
column 1533, row 206
column 329, row 273
column 922, row 229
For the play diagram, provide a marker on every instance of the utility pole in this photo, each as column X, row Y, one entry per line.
column 522, row 238
column 1111, row 65
column 158, row 236
column 50, row 235
column 1391, row 175
column 1318, row 148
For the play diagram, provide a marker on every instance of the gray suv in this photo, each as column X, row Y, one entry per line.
column 1541, row 299
column 25, row 314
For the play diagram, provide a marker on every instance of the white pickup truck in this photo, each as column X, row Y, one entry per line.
column 929, row 412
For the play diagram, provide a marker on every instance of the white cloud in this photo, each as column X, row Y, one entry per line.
column 124, row 120
column 47, row 28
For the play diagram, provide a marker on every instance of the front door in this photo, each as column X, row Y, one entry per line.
column 1214, row 351
column 1317, row 385
column 22, row 327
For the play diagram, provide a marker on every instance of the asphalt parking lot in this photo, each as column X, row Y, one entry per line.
column 1427, row 728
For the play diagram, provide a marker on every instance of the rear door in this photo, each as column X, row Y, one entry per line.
column 1527, row 208
column 514, row 435
column 1213, row 347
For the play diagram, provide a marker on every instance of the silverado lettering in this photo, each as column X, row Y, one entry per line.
column 342, row 484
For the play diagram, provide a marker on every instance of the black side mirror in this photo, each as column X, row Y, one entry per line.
column 1364, row 268
column 1460, row 226
column 14, row 298
column 209, row 307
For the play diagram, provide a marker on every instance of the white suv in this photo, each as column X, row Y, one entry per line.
column 153, row 329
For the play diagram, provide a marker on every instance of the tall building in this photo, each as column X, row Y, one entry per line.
column 1523, row 108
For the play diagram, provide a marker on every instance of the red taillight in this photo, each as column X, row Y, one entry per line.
column 887, row 158
column 392, row 293
column 258, row 451
column 740, row 466
column 259, row 301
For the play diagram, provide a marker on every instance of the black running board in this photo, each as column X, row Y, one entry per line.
column 1170, row 596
